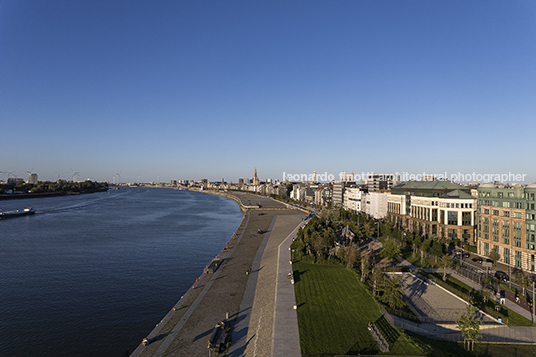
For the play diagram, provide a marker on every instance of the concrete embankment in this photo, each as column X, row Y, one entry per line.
column 251, row 201
column 187, row 327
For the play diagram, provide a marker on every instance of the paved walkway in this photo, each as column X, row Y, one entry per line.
column 286, row 340
column 240, row 330
column 508, row 303
column 436, row 302
column 266, row 322
column 431, row 301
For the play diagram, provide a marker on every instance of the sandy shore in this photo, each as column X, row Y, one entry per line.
column 185, row 330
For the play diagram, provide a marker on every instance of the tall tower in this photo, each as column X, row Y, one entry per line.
column 255, row 178
column 314, row 176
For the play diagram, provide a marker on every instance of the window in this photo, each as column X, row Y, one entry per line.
column 506, row 204
column 486, row 211
column 466, row 218
column 452, row 218
column 506, row 232
column 495, row 230
column 506, row 214
column 517, row 214
column 495, row 212
column 518, row 259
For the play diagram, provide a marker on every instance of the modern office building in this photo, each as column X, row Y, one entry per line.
column 352, row 199
column 382, row 182
column 434, row 208
column 506, row 216
column 338, row 193
column 375, row 204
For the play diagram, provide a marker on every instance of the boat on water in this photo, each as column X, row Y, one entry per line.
column 17, row 213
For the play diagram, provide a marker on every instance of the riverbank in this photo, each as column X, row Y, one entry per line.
column 14, row 196
column 248, row 200
column 188, row 325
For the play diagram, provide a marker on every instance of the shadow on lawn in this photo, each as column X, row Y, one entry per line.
column 297, row 274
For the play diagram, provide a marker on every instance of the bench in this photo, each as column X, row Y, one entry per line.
column 220, row 336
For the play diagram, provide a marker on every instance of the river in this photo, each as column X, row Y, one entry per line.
column 91, row 275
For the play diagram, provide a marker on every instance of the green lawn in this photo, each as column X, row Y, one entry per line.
column 334, row 308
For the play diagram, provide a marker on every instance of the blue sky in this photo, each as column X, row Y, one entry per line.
column 213, row 89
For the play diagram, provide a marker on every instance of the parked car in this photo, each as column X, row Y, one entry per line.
column 477, row 260
column 502, row 276
column 466, row 255
column 456, row 251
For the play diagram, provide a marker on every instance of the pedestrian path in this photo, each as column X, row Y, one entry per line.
column 286, row 340
column 240, row 329
column 492, row 331
column 508, row 303
column 265, row 326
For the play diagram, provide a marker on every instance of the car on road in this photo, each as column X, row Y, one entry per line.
column 456, row 251
column 477, row 260
column 466, row 255
column 502, row 276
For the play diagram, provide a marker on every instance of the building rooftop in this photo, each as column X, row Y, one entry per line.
column 430, row 185
column 457, row 194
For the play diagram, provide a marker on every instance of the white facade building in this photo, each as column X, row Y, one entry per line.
column 352, row 199
column 375, row 204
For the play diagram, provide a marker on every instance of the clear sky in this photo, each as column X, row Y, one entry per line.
column 213, row 89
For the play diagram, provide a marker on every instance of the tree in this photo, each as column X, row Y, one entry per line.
column 392, row 293
column 352, row 255
column 494, row 256
column 318, row 244
column 445, row 264
column 377, row 279
column 391, row 250
column 523, row 279
column 437, row 249
column 469, row 327
column 329, row 237
column 365, row 266
column 341, row 252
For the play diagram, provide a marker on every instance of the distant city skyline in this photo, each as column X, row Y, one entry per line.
column 193, row 90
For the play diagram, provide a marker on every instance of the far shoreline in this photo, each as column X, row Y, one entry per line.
column 15, row 196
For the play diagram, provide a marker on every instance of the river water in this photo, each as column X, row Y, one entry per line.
column 91, row 275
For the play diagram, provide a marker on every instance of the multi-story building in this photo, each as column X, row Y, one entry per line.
column 14, row 180
column 381, row 182
column 339, row 188
column 375, row 204
column 33, row 179
column 507, row 223
column 434, row 208
column 352, row 199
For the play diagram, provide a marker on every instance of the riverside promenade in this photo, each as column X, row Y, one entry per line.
column 255, row 303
